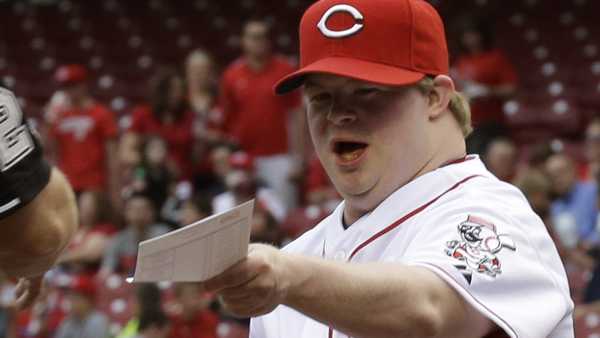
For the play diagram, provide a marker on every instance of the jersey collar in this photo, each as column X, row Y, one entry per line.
column 407, row 198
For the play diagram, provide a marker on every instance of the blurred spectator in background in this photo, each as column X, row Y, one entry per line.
column 81, row 134
column 130, row 158
column 485, row 75
column 148, row 299
column 573, row 209
column 264, row 227
column 83, row 321
column 591, row 168
column 153, row 175
column 321, row 199
column 219, row 160
column 140, row 225
column 44, row 317
column 538, row 156
column 84, row 253
column 7, row 309
column 168, row 116
column 191, row 317
column 501, row 158
column 257, row 119
column 154, row 324
column 591, row 298
column 243, row 185
column 202, row 81
column 194, row 209
column 538, row 190
column 319, row 189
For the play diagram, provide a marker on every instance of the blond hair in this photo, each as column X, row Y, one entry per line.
column 459, row 105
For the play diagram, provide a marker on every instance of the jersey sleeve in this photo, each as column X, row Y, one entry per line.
column 256, row 328
column 502, row 263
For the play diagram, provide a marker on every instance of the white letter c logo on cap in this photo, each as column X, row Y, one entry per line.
column 358, row 25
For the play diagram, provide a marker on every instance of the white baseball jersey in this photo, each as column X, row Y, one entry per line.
column 474, row 231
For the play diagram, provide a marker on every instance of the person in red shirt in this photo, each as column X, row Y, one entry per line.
column 257, row 119
column 168, row 117
column 488, row 78
column 192, row 317
column 82, row 134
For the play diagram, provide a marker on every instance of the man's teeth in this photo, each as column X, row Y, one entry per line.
column 350, row 156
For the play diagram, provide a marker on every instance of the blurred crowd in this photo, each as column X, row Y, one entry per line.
column 209, row 139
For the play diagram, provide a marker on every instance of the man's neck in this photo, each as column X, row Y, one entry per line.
column 447, row 153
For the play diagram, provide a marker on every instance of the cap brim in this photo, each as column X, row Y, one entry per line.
column 352, row 68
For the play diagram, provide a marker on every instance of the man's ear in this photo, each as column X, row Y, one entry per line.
column 440, row 95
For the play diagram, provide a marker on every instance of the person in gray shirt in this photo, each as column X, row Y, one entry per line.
column 140, row 219
column 83, row 321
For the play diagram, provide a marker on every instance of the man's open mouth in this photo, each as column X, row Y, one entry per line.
column 349, row 151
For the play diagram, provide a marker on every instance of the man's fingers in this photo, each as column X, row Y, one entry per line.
column 27, row 292
column 256, row 287
column 238, row 274
column 243, row 308
column 248, row 307
column 226, row 279
column 22, row 286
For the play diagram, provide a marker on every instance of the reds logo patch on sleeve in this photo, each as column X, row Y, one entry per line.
column 478, row 245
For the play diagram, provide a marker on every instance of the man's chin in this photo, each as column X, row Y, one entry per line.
column 357, row 193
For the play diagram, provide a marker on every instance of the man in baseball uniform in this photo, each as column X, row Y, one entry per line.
column 427, row 242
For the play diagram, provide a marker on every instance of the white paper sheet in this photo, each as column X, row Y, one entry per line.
column 198, row 251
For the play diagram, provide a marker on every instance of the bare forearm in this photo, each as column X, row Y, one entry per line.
column 37, row 233
column 373, row 300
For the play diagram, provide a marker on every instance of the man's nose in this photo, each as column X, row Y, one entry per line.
column 341, row 114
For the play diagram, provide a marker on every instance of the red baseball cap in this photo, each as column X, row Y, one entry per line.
column 389, row 42
column 71, row 74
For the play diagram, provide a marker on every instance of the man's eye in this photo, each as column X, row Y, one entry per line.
column 367, row 92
